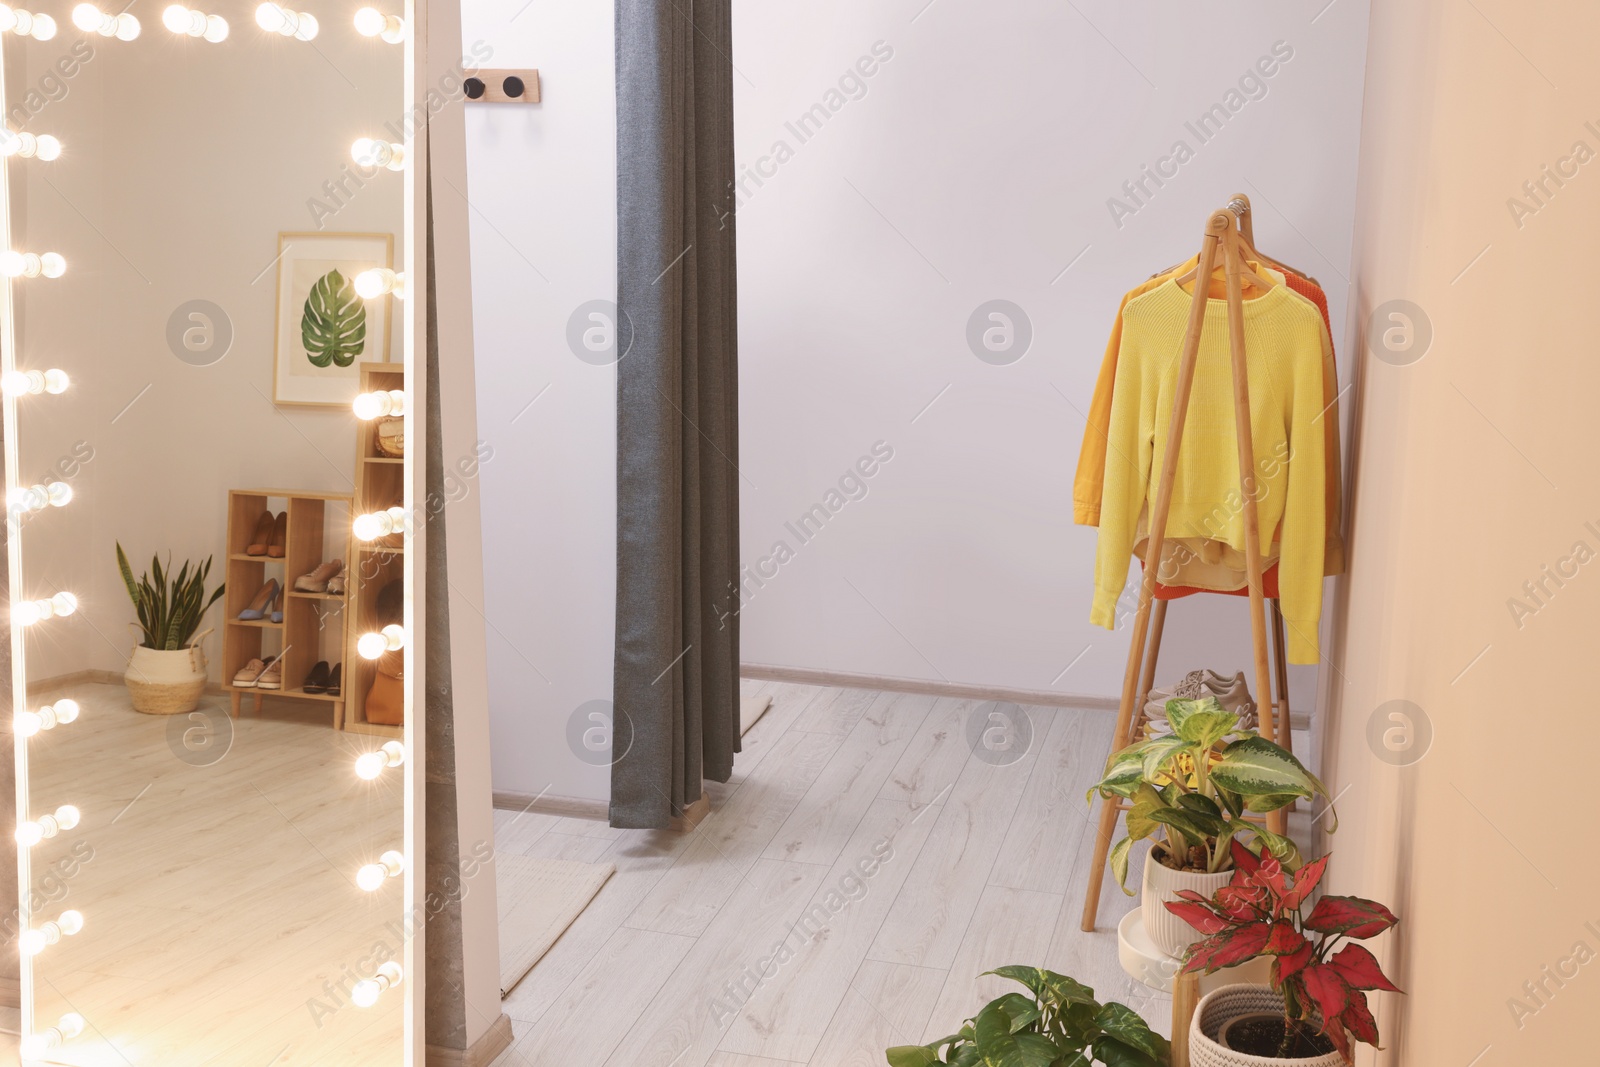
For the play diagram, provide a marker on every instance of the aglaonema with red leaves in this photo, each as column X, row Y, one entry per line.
column 1317, row 966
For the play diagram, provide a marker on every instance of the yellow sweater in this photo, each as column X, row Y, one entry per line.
column 1284, row 338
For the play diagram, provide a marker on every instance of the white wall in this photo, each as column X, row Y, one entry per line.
column 977, row 164
column 542, row 184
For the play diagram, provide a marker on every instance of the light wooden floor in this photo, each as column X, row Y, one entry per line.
column 985, row 866
column 219, row 899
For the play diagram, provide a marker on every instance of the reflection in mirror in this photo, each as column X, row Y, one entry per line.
column 204, row 256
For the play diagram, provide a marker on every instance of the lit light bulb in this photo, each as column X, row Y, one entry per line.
column 28, row 612
column 275, row 18
column 391, row 638
column 372, row 876
column 60, row 494
column 56, row 381
column 34, row 942
column 370, row 152
column 27, row 146
column 371, row 764
column 366, row 992
column 190, row 23
column 14, row 264
column 32, row 832
column 376, row 524
column 378, row 404
column 32, row 382
column 29, row 723
column 39, row 27
column 90, row 19
column 371, row 284
column 370, row 22
column 35, row 1045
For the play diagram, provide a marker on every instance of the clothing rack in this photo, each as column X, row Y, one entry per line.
column 1228, row 237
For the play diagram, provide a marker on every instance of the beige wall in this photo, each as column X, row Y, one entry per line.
column 1474, row 469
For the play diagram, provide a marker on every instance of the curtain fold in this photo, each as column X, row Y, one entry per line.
column 676, row 688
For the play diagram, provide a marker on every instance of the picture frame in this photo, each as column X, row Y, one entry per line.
column 319, row 346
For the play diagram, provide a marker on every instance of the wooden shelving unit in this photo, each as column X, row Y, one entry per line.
column 380, row 485
column 314, row 625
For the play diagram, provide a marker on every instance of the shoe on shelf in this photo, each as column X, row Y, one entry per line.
column 1232, row 693
column 280, row 535
column 275, row 610
column 262, row 603
column 336, row 681
column 336, row 584
column 317, row 680
column 249, row 674
column 317, row 581
column 272, row 677
column 262, row 537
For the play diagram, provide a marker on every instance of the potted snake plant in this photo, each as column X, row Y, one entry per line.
column 167, row 671
column 1191, row 790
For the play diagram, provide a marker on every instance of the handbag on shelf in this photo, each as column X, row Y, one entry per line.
column 391, row 437
column 386, row 700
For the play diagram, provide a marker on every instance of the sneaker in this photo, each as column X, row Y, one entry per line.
column 1232, row 693
column 249, row 674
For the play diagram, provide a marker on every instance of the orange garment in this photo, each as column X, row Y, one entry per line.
column 1089, row 483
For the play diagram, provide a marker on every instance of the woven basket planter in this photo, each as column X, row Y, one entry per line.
column 162, row 682
column 1161, row 883
column 1231, row 1002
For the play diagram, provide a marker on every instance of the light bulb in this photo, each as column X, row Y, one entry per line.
column 64, row 603
column 91, row 19
column 65, row 711
column 49, row 148
column 8, row 18
column 378, row 404
column 190, row 23
column 59, row 493
column 52, row 265
column 176, row 18
column 14, row 264
column 34, row 942
column 26, row 145
column 371, row 764
column 372, row 876
column 370, row 527
column 55, row 379
column 28, row 612
column 366, row 992
column 271, row 18
column 371, row 284
column 369, row 645
column 216, row 29
column 35, row 1045
column 43, row 28
column 31, row 833
column 395, row 635
column 370, row 152
column 30, row 499
column 370, row 22
column 29, row 723
column 31, row 382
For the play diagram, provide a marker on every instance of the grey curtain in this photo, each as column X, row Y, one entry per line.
column 676, row 689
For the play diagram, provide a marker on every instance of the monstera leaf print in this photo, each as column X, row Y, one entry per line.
column 333, row 327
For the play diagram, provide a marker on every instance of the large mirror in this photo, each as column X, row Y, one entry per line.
column 205, row 406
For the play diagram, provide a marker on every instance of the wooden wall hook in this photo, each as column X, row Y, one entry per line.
column 503, row 86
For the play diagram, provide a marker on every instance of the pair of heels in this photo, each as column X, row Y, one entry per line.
column 272, row 532
column 322, row 680
column 268, row 601
column 327, row 578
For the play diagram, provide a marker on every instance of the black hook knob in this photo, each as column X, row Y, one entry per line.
column 474, row 87
column 513, row 86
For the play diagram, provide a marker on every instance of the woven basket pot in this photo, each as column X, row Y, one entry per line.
column 1231, row 1002
column 163, row 682
column 1161, row 883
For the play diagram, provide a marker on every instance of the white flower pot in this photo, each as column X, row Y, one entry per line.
column 162, row 682
column 1230, row 1002
column 1161, row 883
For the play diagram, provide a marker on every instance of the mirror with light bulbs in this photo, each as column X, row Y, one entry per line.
column 204, row 352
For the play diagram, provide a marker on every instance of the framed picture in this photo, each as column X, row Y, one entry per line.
column 324, row 330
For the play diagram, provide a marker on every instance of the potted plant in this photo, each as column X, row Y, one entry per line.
column 1058, row 1023
column 1193, row 787
column 1316, row 1005
column 167, row 672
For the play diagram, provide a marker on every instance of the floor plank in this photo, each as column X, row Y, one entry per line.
column 1041, row 844
column 1010, row 926
column 887, row 1004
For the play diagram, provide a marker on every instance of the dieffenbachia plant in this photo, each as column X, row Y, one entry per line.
column 1057, row 1023
column 1195, row 785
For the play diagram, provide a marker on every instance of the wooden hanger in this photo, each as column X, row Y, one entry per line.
column 1239, row 204
column 1247, row 277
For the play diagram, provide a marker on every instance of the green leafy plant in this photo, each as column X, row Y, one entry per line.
column 1058, row 1023
column 1195, row 785
column 333, row 327
column 170, row 606
column 1261, row 912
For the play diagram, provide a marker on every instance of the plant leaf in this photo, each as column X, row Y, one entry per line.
column 1228, row 947
column 1119, row 863
column 1359, row 968
column 1350, row 916
column 1201, row 723
column 1255, row 767
column 333, row 326
column 1113, row 1053
column 911, row 1056
column 1327, row 988
column 1126, row 1025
